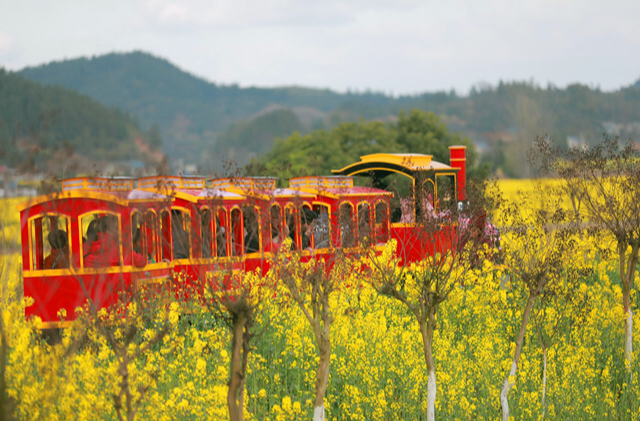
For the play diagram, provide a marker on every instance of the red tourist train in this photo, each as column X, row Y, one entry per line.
column 171, row 226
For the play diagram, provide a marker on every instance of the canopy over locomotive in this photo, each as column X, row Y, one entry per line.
column 99, row 237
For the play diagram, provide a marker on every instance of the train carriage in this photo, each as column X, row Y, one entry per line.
column 58, row 286
column 172, row 232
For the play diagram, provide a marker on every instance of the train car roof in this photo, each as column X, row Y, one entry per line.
column 75, row 194
column 386, row 163
column 118, row 197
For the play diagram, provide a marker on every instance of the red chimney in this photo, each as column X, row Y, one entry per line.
column 457, row 159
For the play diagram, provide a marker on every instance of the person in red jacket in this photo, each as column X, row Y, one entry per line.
column 105, row 251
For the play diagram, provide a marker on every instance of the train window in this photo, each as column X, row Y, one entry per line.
column 101, row 247
column 251, row 230
column 138, row 242
column 89, row 229
column 445, row 188
column 429, row 201
column 307, row 219
column 149, row 233
column 180, row 224
column 322, row 227
column 205, row 233
column 364, row 225
column 221, row 232
column 277, row 229
column 237, row 233
column 382, row 223
column 165, row 235
column 143, row 239
column 347, row 225
column 49, row 242
column 291, row 216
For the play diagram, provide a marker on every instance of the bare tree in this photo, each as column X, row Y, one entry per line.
column 313, row 286
column 122, row 327
column 536, row 251
column 606, row 180
column 562, row 302
column 236, row 299
column 455, row 244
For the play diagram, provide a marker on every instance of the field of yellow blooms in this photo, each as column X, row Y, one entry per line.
column 378, row 370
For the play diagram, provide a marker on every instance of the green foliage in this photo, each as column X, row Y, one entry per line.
column 39, row 123
column 248, row 138
column 318, row 152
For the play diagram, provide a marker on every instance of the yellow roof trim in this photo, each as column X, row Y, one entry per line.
column 244, row 192
column 410, row 161
column 407, row 160
column 72, row 194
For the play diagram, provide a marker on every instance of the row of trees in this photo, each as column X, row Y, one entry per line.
column 319, row 152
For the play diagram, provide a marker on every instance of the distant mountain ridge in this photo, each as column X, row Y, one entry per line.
column 58, row 131
column 203, row 122
column 190, row 111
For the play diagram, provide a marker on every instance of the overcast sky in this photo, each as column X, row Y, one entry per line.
column 395, row 47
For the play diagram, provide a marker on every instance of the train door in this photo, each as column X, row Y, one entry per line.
column 293, row 224
column 206, row 229
column 322, row 226
column 221, row 233
column 364, row 225
column 237, row 232
column 277, row 230
column 347, row 225
column 381, row 222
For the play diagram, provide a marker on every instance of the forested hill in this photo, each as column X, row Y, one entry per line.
column 191, row 111
column 58, row 131
column 203, row 122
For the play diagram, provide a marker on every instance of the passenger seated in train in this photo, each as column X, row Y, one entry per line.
column 408, row 212
column 59, row 257
column 252, row 236
column 221, row 241
column 179, row 236
column 279, row 232
column 307, row 216
column 137, row 247
column 92, row 235
column 105, row 251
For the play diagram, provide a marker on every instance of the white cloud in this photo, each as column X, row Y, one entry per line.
column 386, row 45
column 5, row 42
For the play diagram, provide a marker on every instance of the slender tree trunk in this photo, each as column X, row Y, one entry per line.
column 245, row 360
column 544, row 379
column 322, row 373
column 628, row 322
column 236, row 377
column 4, row 350
column 627, row 273
column 426, row 329
column 511, row 378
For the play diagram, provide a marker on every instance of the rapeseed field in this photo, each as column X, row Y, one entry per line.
column 378, row 369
